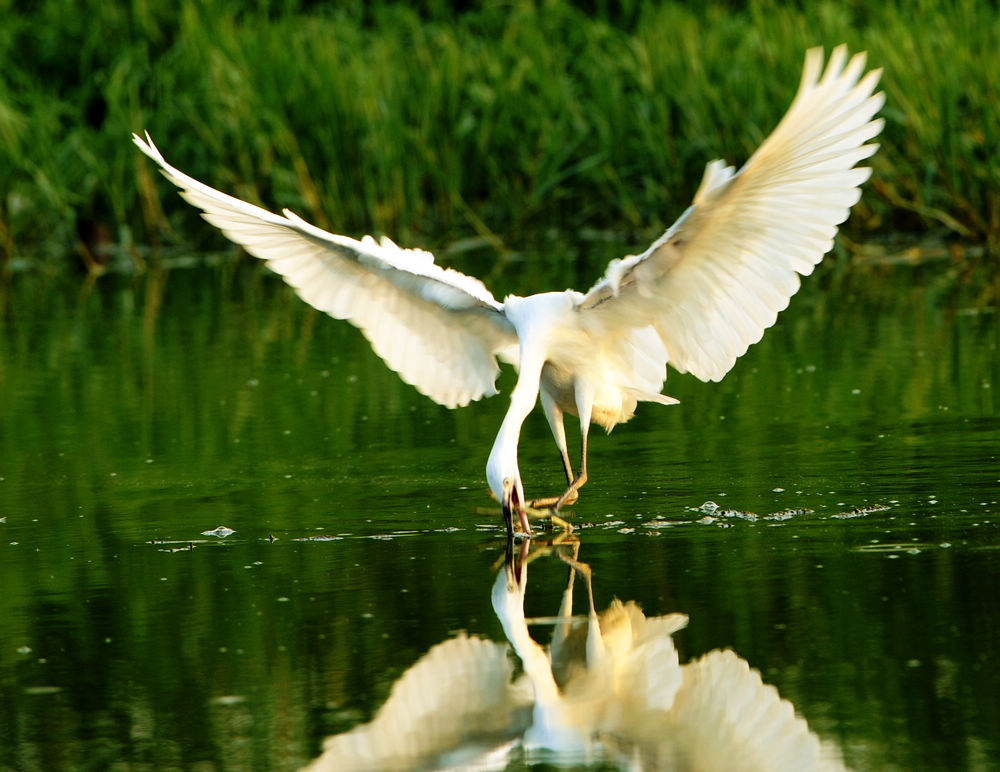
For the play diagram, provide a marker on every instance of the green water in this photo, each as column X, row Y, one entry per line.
column 137, row 414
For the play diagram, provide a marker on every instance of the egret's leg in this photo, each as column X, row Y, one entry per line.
column 584, row 405
column 554, row 415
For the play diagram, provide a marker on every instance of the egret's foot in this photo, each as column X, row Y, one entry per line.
column 536, row 513
column 565, row 525
column 533, row 513
column 549, row 514
column 569, row 496
column 551, row 501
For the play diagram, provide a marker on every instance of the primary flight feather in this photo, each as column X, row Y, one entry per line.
column 696, row 299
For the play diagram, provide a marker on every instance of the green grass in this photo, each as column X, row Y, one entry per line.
column 508, row 123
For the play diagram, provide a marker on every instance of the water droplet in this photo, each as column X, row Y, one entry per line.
column 228, row 699
column 222, row 532
column 43, row 690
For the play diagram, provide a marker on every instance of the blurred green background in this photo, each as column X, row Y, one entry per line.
column 440, row 122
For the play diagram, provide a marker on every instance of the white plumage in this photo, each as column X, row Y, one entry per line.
column 697, row 298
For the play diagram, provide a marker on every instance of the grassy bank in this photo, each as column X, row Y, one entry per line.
column 499, row 123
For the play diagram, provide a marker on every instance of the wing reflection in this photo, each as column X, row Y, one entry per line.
column 609, row 689
column 455, row 708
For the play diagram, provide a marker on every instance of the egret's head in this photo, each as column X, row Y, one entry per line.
column 505, row 483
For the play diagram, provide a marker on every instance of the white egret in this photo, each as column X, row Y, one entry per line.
column 697, row 298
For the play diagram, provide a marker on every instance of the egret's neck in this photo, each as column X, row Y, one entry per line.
column 522, row 402
column 525, row 393
column 509, row 608
column 535, row 318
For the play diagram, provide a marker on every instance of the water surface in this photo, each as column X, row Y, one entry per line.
column 853, row 558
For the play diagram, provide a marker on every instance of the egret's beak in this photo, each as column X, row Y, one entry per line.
column 511, row 503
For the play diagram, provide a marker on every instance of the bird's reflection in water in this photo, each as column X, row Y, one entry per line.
column 609, row 689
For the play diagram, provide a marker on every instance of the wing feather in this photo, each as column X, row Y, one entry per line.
column 439, row 329
column 720, row 275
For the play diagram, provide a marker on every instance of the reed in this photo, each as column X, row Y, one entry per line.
column 502, row 124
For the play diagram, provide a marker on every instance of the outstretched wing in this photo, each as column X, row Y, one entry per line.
column 439, row 329
column 718, row 277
